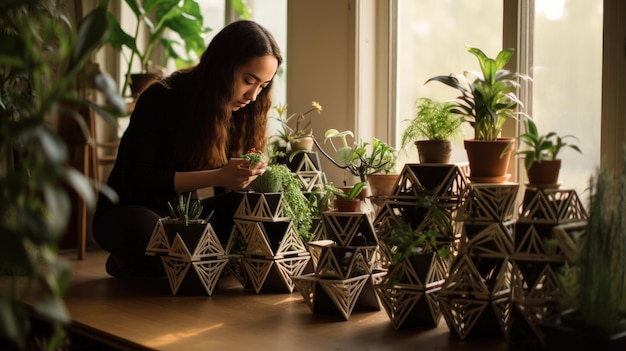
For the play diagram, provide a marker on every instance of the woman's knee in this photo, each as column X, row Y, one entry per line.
column 124, row 229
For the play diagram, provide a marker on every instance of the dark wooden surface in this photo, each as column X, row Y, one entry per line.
column 143, row 314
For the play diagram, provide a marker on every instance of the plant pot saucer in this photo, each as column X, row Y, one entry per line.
column 498, row 179
column 542, row 186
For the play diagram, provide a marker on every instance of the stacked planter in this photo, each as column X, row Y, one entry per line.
column 267, row 250
column 344, row 275
column 306, row 166
column 543, row 244
column 409, row 293
column 192, row 255
column 475, row 298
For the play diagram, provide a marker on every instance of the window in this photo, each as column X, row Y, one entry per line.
column 566, row 60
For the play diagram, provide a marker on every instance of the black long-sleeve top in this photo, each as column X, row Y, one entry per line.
column 142, row 174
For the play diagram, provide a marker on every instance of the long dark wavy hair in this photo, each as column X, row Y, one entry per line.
column 209, row 132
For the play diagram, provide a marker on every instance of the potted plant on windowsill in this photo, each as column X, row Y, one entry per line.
column 437, row 125
column 487, row 101
column 541, row 155
column 295, row 129
column 186, row 21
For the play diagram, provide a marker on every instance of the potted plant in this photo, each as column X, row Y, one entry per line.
column 295, row 129
column 437, row 125
column 361, row 159
column 541, row 155
column 416, row 267
column 488, row 99
column 279, row 178
column 154, row 18
column 43, row 61
column 595, row 318
column 346, row 200
column 183, row 221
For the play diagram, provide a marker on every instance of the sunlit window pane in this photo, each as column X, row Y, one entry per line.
column 567, row 87
column 432, row 35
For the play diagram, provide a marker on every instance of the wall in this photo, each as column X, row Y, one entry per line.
column 321, row 65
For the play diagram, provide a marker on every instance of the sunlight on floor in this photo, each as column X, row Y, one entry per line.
column 176, row 337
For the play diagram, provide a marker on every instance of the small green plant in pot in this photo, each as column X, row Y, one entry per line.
column 295, row 130
column 488, row 99
column 346, row 200
column 184, row 211
column 432, row 129
column 359, row 159
column 279, row 178
column 541, row 154
column 404, row 242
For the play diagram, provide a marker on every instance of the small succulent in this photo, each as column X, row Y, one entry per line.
column 186, row 211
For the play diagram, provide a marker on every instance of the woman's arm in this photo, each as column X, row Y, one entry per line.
column 235, row 175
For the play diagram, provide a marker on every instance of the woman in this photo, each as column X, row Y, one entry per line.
column 181, row 135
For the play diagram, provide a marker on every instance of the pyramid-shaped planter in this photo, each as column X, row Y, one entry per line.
column 262, row 206
column 342, row 262
column 274, row 275
column 192, row 256
column 445, row 182
column 192, row 242
column 419, row 272
column 349, row 228
column 551, row 206
column 410, row 308
column 339, row 298
column 476, row 297
column 193, row 278
column 489, row 203
column 409, row 291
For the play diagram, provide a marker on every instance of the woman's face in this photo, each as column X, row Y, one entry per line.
column 251, row 78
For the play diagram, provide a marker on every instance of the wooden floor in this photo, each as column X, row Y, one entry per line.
column 143, row 315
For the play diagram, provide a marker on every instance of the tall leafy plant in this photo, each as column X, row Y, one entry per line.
column 155, row 18
column 488, row 98
column 41, row 60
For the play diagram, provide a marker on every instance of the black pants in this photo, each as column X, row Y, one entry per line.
column 125, row 230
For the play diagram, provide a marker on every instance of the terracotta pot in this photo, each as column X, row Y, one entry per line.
column 382, row 184
column 345, row 205
column 364, row 194
column 544, row 173
column 488, row 162
column 304, row 143
column 433, row 151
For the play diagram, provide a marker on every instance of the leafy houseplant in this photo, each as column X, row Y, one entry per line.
column 295, row 129
column 437, row 125
column 488, row 99
column 346, row 200
column 541, row 154
column 403, row 241
column 168, row 15
column 42, row 60
column 279, row 178
column 360, row 159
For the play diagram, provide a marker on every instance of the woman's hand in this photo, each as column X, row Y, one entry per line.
column 237, row 173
